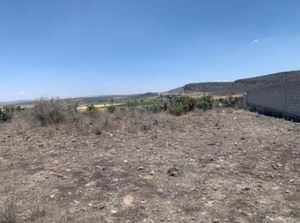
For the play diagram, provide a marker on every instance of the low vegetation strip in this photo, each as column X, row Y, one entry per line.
column 54, row 111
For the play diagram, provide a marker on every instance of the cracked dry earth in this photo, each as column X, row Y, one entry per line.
column 215, row 166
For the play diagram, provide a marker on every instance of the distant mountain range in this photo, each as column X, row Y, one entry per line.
column 17, row 102
column 91, row 99
column 215, row 88
column 239, row 86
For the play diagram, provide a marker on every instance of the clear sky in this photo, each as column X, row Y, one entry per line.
column 70, row 48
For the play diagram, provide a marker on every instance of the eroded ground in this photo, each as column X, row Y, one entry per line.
column 215, row 166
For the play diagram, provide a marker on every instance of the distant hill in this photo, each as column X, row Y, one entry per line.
column 92, row 99
column 17, row 102
column 107, row 98
column 238, row 86
column 215, row 88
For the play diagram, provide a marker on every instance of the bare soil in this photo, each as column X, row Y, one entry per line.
column 216, row 166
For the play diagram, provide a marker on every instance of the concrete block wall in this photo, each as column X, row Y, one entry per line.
column 282, row 100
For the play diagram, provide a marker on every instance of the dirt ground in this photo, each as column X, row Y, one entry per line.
column 205, row 167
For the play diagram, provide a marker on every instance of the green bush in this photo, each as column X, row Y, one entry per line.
column 7, row 113
column 19, row 108
column 230, row 101
column 176, row 109
column 111, row 109
column 159, row 106
column 179, row 105
column 205, row 102
column 91, row 108
column 132, row 104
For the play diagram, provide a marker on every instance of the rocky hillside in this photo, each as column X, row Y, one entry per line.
column 239, row 86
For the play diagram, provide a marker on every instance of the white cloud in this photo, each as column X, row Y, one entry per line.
column 255, row 41
column 262, row 40
column 21, row 93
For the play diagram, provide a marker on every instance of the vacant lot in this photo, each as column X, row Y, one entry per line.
column 215, row 166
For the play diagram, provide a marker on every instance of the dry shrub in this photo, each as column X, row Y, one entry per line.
column 83, row 218
column 20, row 124
column 123, row 121
column 53, row 111
column 9, row 211
column 37, row 210
column 136, row 121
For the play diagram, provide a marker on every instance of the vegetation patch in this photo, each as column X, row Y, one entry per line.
column 6, row 113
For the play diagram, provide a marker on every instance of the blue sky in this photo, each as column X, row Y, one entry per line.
column 71, row 48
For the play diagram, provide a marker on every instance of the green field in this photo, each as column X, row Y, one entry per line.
column 126, row 105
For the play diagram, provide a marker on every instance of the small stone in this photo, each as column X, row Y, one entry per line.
column 174, row 172
column 141, row 168
column 72, row 210
column 92, row 184
column 148, row 177
column 274, row 166
column 209, row 203
column 128, row 200
column 114, row 211
column 269, row 218
column 57, row 174
column 56, row 162
column 84, row 209
column 246, row 189
column 76, row 202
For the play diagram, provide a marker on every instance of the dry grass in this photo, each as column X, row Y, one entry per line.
column 8, row 211
column 234, row 166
